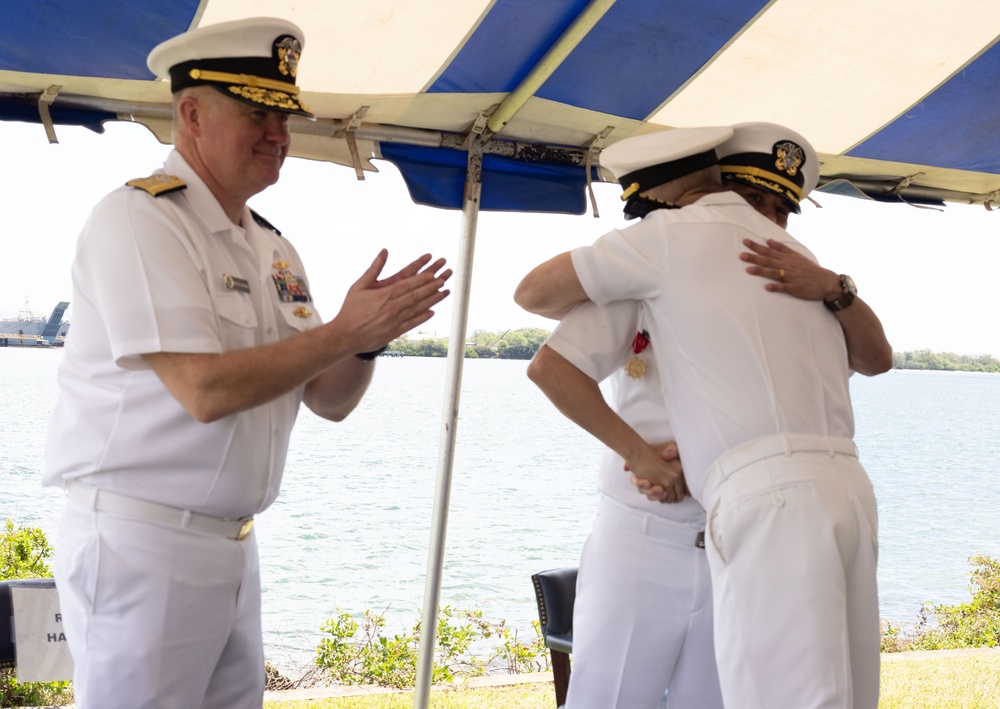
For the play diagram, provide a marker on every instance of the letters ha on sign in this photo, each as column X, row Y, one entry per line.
column 41, row 652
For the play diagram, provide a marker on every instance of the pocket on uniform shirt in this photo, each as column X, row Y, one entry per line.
column 237, row 321
column 299, row 316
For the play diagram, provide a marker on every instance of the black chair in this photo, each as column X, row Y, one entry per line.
column 555, row 591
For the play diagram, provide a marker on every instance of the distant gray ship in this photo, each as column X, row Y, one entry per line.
column 29, row 330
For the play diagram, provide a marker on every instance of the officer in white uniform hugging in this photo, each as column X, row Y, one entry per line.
column 642, row 619
column 195, row 339
column 747, row 370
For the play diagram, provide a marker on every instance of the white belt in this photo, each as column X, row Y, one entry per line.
column 648, row 524
column 769, row 447
column 145, row 511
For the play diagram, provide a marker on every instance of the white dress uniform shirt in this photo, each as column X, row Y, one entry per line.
column 598, row 342
column 189, row 281
column 729, row 376
column 756, row 385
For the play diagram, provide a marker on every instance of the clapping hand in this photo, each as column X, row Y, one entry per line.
column 375, row 312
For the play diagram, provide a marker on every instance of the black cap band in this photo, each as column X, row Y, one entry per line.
column 638, row 206
column 180, row 74
column 649, row 177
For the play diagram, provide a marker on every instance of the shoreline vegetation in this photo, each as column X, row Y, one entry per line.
column 510, row 344
column 473, row 651
column 523, row 343
column 945, row 361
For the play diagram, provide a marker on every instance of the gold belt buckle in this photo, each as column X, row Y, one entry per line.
column 245, row 529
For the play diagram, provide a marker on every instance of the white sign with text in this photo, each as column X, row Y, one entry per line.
column 40, row 649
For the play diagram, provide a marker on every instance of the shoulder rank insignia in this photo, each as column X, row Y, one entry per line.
column 158, row 184
column 636, row 366
column 264, row 223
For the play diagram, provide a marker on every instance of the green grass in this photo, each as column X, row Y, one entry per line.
column 949, row 679
column 535, row 695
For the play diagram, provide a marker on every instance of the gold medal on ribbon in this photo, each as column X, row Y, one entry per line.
column 636, row 366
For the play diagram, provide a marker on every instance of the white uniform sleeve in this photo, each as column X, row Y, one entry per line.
column 623, row 264
column 596, row 339
column 146, row 282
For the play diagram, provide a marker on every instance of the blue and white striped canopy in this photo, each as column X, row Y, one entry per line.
column 900, row 97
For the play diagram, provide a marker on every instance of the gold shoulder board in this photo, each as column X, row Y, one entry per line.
column 158, row 184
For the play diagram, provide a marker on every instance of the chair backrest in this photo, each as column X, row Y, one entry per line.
column 555, row 592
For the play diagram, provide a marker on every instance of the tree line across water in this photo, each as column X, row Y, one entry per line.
column 944, row 361
column 523, row 343
column 510, row 344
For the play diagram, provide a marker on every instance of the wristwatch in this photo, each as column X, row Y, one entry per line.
column 850, row 293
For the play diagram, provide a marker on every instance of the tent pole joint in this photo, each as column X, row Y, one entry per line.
column 477, row 130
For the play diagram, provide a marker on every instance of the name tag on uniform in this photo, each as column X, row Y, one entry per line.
column 238, row 284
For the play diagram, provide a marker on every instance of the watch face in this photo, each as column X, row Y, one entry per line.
column 847, row 283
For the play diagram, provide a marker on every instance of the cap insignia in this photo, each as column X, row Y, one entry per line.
column 789, row 157
column 288, row 49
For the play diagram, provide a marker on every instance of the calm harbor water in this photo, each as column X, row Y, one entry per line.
column 351, row 526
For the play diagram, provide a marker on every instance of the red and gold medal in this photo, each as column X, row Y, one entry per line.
column 636, row 366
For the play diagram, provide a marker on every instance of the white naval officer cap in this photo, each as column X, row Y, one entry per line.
column 771, row 157
column 647, row 161
column 254, row 61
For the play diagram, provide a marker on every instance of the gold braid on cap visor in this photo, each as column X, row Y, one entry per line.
column 244, row 80
column 267, row 92
column 756, row 176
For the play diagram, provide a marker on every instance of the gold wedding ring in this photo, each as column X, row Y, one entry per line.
column 781, row 274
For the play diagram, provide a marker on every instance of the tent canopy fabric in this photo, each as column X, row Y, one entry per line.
column 898, row 97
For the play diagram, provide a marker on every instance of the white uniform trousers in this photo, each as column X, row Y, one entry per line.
column 793, row 549
column 158, row 617
column 642, row 620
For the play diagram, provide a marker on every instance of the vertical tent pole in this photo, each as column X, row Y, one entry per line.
column 446, row 452
column 482, row 131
